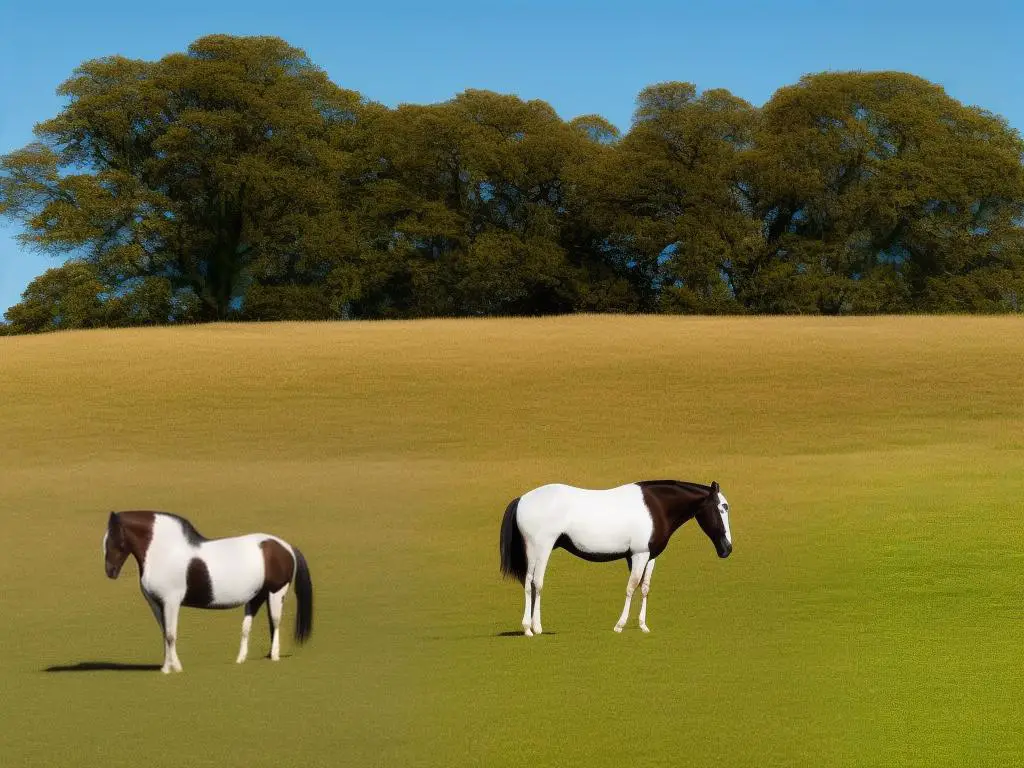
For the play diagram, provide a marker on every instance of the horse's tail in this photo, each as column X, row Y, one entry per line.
column 513, row 548
column 304, row 596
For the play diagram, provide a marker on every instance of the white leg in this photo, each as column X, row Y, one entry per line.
column 538, row 585
column 528, row 610
column 171, row 660
column 275, row 604
column 251, row 609
column 531, row 564
column 645, row 587
column 243, row 650
column 635, row 574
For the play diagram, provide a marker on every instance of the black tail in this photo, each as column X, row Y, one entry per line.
column 513, row 548
column 304, row 595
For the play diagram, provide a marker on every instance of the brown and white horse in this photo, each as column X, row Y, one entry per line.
column 632, row 522
column 178, row 566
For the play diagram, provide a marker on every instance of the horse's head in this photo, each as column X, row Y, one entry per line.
column 115, row 546
column 713, row 518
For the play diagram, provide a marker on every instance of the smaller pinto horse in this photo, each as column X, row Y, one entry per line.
column 632, row 522
column 178, row 566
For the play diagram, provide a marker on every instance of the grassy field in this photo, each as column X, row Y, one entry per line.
column 870, row 615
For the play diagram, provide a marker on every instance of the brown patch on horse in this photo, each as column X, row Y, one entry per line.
column 198, row 587
column 139, row 531
column 278, row 565
column 132, row 533
column 671, row 503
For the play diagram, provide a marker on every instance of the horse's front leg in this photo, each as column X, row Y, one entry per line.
column 635, row 574
column 157, row 606
column 171, row 661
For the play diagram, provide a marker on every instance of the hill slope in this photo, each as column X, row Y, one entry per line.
column 870, row 614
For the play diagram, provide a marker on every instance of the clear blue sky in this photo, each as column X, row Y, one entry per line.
column 581, row 57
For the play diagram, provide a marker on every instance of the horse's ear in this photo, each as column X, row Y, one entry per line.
column 714, row 486
column 113, row 520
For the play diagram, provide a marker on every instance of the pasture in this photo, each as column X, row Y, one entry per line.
column 870, row 614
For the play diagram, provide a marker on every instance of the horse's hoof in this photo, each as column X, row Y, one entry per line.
column 240, row 660
column 528, row 632
column 538, row 631
column 617, row 628
column 644, row 628
column 165, row 670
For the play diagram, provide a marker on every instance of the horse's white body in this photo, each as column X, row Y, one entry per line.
column 235, row 564
column 599, row 523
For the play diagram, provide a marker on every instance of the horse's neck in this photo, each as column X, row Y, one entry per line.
column 681, row 508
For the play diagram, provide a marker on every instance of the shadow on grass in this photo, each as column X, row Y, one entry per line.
column 103, row 666
column 116, row 666
column 519, row 633
column 511, row 633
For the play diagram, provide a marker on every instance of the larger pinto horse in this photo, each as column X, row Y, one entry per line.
column 632, row 522
column 178, row 566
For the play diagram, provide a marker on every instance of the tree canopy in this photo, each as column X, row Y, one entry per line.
column 236, row 181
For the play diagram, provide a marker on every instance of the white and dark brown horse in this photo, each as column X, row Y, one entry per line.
column 632, row 522
column 178, row 566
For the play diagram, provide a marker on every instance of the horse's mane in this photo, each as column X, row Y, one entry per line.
column 680, row 484
column 193, row 536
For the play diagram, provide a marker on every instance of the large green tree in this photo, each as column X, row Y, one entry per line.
column 209, row 170
column 878, row 192
column 666, row 197
column 473, row 209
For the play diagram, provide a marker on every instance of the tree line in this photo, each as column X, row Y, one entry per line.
column 237, row 181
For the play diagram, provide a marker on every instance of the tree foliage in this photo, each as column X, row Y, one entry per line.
column 879, row 193
column 235, row 180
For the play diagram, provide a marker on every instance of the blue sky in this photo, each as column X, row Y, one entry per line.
column 581, row 57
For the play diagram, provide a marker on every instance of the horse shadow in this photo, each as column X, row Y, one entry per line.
column 102, row 666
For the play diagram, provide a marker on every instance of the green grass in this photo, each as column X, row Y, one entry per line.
column 870, row 615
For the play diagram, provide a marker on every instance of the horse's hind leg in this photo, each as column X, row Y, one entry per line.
column 251, row 609
column 636, row 573
column 645, row 588
column 275, row 604
column 531, row 562
column 528, row 610
column 538, row 585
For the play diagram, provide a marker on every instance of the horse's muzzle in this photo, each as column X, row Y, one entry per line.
column 112, row 570
column 724, row 549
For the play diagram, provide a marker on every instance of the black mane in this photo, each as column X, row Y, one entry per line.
column 679, row 483
column 193, row 536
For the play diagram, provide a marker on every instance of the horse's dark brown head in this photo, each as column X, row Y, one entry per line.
column 713, row 518
column 115, row 546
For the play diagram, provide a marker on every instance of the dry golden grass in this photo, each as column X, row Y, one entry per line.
column 870, row 614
